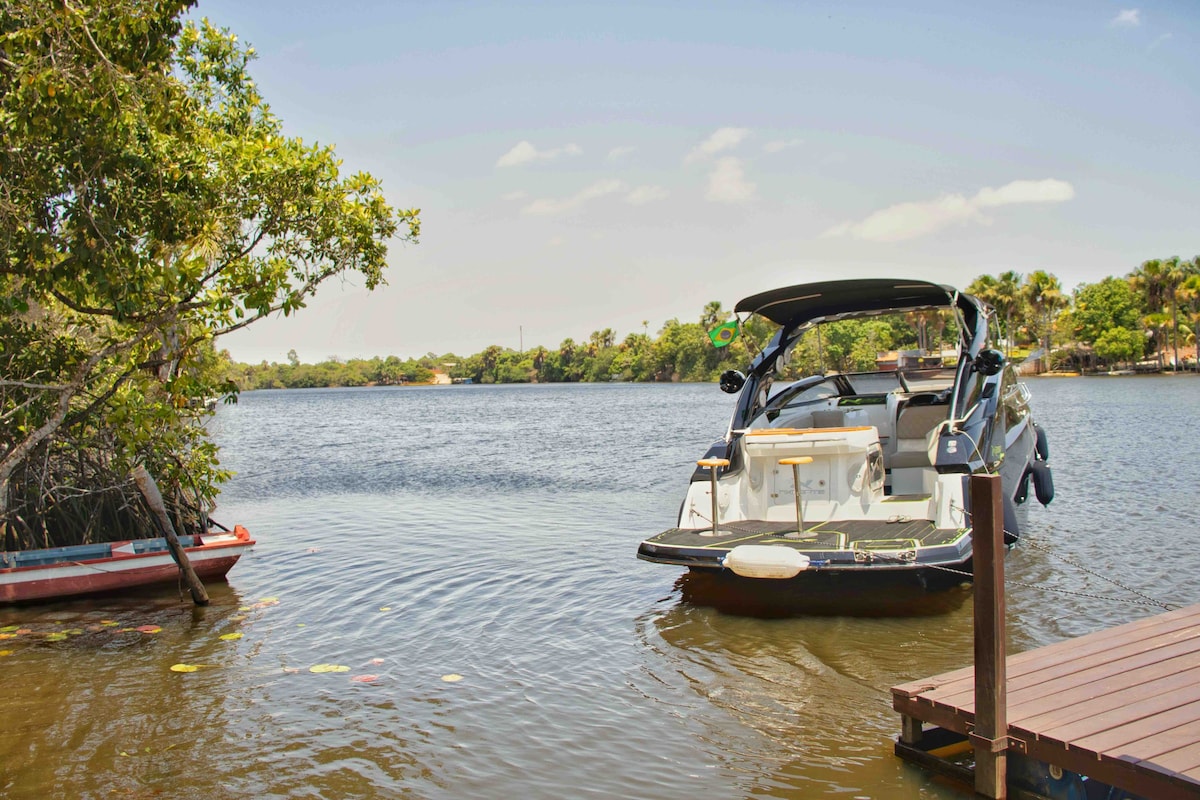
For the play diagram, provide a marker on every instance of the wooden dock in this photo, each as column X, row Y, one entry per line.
column 1120, row 706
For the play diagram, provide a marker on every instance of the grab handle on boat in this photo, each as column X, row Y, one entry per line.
column 713, row 464
column 795, row 462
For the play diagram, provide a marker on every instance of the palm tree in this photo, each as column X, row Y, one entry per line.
column 1044, row 294
column 1189, row 296
column 713, row 315
column 1006, row 300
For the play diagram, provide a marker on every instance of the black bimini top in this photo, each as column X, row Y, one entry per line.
column 795, row 305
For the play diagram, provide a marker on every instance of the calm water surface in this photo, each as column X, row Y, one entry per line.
column 473, row 549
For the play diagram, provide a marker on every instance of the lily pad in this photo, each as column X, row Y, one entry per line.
column 229, row 637
column 328, row 668
column 185, row 667
column 452, row 678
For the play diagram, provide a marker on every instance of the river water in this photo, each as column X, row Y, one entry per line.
column 468, row 555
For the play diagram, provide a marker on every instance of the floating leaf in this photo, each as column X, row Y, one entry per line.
column 376, row 660
column 452, row 678
column 4, row 636
column 24, row 630
column 386, row 608
column 269, row 601
column 245, row 608
column 229, row 637
column 238, row 618
column 73, row 632
column 290, row 670
column 148, row 628
column 9, row 628
column 185, row 667
column 5, row 653
column 55, row 637
column 109, row 623
column 328, row 668
column 365, row 678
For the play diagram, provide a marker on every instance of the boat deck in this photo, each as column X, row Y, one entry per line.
column 817, row 536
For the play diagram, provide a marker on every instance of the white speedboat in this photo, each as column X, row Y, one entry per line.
column 858, row 476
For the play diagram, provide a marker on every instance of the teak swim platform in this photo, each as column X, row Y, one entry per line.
column 1119, row 706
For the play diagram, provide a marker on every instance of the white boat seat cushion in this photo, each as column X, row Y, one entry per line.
column 831, row 418
column 912, row 429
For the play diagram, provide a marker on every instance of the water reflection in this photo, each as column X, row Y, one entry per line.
column 844, row 596
column 806, row 696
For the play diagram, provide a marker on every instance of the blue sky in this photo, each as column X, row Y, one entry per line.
column 582, row 166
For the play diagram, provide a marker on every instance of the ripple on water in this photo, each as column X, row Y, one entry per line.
column 412, row 534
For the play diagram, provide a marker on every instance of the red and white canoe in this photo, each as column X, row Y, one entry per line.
column 92, row 568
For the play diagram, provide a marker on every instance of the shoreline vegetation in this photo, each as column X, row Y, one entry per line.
column 1145, row 322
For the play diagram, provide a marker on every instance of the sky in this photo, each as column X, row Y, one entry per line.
column 585, row 165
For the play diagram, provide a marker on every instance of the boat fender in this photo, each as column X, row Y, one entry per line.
column 1043, row 482
column 1022, row 488
column 1042, row 448
column 765, row 561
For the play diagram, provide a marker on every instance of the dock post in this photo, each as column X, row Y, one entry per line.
column 990, row 737
column 154, row 499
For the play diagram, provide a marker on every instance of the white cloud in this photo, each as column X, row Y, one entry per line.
column 645, row 194
column 1154, row 45
column 1044, row 191
column 727, row 183
column 911, row 220
column 782, row 144
column 1126, row 18
column 546, row 207
column 517, row 195
column 523, row 153
column 721, row 140
column 617, row 153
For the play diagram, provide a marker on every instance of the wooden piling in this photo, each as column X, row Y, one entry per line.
column 990, row 737
column 149, row 489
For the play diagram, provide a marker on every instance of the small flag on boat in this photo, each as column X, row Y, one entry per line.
column 724, row 334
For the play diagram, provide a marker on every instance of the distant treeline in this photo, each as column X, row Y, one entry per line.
column 1150, row 314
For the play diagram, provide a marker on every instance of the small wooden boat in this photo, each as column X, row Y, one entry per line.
column 110, row 566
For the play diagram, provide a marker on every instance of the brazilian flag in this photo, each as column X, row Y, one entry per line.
column 724, row 334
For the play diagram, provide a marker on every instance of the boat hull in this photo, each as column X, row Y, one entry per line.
column 39, row 575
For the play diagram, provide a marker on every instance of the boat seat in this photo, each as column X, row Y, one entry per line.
column 910, row 467
column 829, row 418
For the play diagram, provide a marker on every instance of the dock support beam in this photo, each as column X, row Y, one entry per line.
column 990, row 736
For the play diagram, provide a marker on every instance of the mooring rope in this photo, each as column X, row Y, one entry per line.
column 1146, row 600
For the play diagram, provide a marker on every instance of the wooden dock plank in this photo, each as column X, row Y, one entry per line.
column 1035, row 672
column 1066, row 651
column 1121, row 705
column 1039, row 682
column 1128, row 719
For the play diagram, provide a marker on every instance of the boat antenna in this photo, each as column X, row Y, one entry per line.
column 820, row 351
column 752, row 341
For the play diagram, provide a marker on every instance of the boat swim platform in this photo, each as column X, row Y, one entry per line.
column 819, row 535
column 1119, row 706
